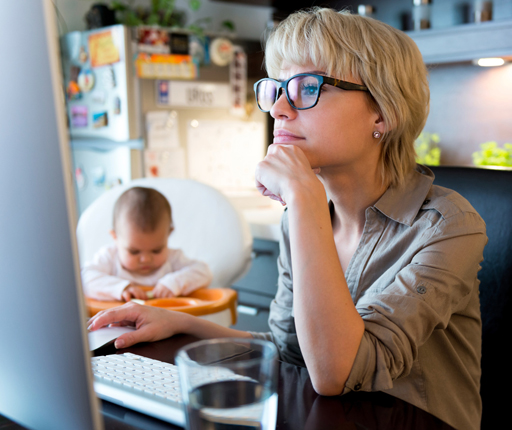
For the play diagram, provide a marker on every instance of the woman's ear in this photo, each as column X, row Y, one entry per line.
column 380, row 125
column 113, row 234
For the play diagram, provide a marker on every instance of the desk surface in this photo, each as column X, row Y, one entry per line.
column 299, row 407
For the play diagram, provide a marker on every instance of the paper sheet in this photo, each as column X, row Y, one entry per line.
column 224, row 154
column 162, row 129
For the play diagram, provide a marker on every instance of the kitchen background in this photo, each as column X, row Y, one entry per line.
column 470, row 105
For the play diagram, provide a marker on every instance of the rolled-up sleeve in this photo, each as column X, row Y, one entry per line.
column 436, row 284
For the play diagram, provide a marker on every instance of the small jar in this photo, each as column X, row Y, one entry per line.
column 483, row 11
column 366, row 10
column 421, row 14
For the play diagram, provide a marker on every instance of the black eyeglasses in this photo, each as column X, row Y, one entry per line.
column 302, row 90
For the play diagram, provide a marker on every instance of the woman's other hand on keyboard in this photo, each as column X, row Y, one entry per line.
column 152, row 323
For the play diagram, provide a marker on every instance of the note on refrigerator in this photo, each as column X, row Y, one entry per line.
column 224, row 154
column 162, row 129
column 163, row 163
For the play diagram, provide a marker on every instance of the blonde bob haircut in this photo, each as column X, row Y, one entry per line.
column 362, row 50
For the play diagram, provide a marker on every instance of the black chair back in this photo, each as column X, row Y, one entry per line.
column 490, row 192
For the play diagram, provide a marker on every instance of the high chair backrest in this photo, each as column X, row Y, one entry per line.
column 490, row 192
column 207, row 226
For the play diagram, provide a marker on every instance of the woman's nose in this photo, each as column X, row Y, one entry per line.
column 282, row 109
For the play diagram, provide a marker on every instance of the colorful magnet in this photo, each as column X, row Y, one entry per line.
column 117, row 105
column 153, row 170
column 73, row 91
column 99, row 176
column 153, row 41
column 83, row 56
column 221, row 51
column 86, row 80
column 81, row 180
column 162, row 92
column 74, row 71
column 197, row 49
column 99, row 119
column 79, row 116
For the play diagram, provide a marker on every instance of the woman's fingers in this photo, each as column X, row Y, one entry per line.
column 128, row 313
column 143, row 334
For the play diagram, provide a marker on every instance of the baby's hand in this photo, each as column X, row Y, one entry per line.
column 133, row 291
column 162, row 292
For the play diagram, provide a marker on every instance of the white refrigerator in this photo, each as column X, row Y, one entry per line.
column 103, row 109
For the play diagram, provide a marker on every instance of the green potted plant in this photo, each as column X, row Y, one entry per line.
column 162, row 13
column 427, row 149
column 491, row 154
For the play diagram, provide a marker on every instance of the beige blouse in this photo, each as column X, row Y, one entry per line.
column 413, row 280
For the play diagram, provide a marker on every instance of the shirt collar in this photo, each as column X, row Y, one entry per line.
column 402, row 203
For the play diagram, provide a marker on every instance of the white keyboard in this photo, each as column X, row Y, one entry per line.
column 139, row 383
column 152, row 387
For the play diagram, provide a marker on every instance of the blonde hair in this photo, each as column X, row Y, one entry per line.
column 385, row 59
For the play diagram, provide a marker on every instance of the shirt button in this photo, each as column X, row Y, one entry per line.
column 421, row 289
column 357, row 387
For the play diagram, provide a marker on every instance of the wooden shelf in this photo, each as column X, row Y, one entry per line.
column 465, row 42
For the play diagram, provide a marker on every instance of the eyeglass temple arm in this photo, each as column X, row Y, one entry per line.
column 345, row 85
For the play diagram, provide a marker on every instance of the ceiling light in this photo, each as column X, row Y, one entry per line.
column 490, row 62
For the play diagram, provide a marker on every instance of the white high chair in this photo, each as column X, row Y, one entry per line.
column 207, row 227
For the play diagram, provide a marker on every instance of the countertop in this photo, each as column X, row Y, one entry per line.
column 262, row 213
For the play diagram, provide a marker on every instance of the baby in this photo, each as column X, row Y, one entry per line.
column 140, row 256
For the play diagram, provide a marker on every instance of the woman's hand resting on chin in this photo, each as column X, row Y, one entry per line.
column 284, row 171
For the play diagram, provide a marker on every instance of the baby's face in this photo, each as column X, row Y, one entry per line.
column 141, row 252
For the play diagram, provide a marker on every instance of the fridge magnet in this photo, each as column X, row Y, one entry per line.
column 197, row 49
column 86, row 80
column 153, row 41
column 165, row 163
column 99, row 97
column 79, row 116
column 109, row 78
column 162, row 92
column 102, row 49
column 80, row 178
column 179, row 44
column 83, row 56
column 238, row 82
column 99, row 119
column 74, row 71
column 221, row 51
column 165, row 66
column 117, row 105
column 99, row 176
column 73, row 91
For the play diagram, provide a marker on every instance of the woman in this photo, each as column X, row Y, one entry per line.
column 378, row 287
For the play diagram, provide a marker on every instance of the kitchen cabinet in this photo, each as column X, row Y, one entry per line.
column 465, row 42
column 258, row 287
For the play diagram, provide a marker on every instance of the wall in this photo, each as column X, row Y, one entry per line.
column 470, row 105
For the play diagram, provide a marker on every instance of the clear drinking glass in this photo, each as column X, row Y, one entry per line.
column 229, row 384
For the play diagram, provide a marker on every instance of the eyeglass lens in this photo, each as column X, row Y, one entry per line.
column 302, row 92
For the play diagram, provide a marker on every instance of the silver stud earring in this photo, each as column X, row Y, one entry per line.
column 376, row 134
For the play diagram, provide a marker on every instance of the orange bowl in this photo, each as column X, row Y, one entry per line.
column 204, row 301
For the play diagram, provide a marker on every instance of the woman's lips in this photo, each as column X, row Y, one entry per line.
column 283, row 136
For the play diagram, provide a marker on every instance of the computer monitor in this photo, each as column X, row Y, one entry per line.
column 45, row 376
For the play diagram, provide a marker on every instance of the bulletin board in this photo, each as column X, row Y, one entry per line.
column 224, row 154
